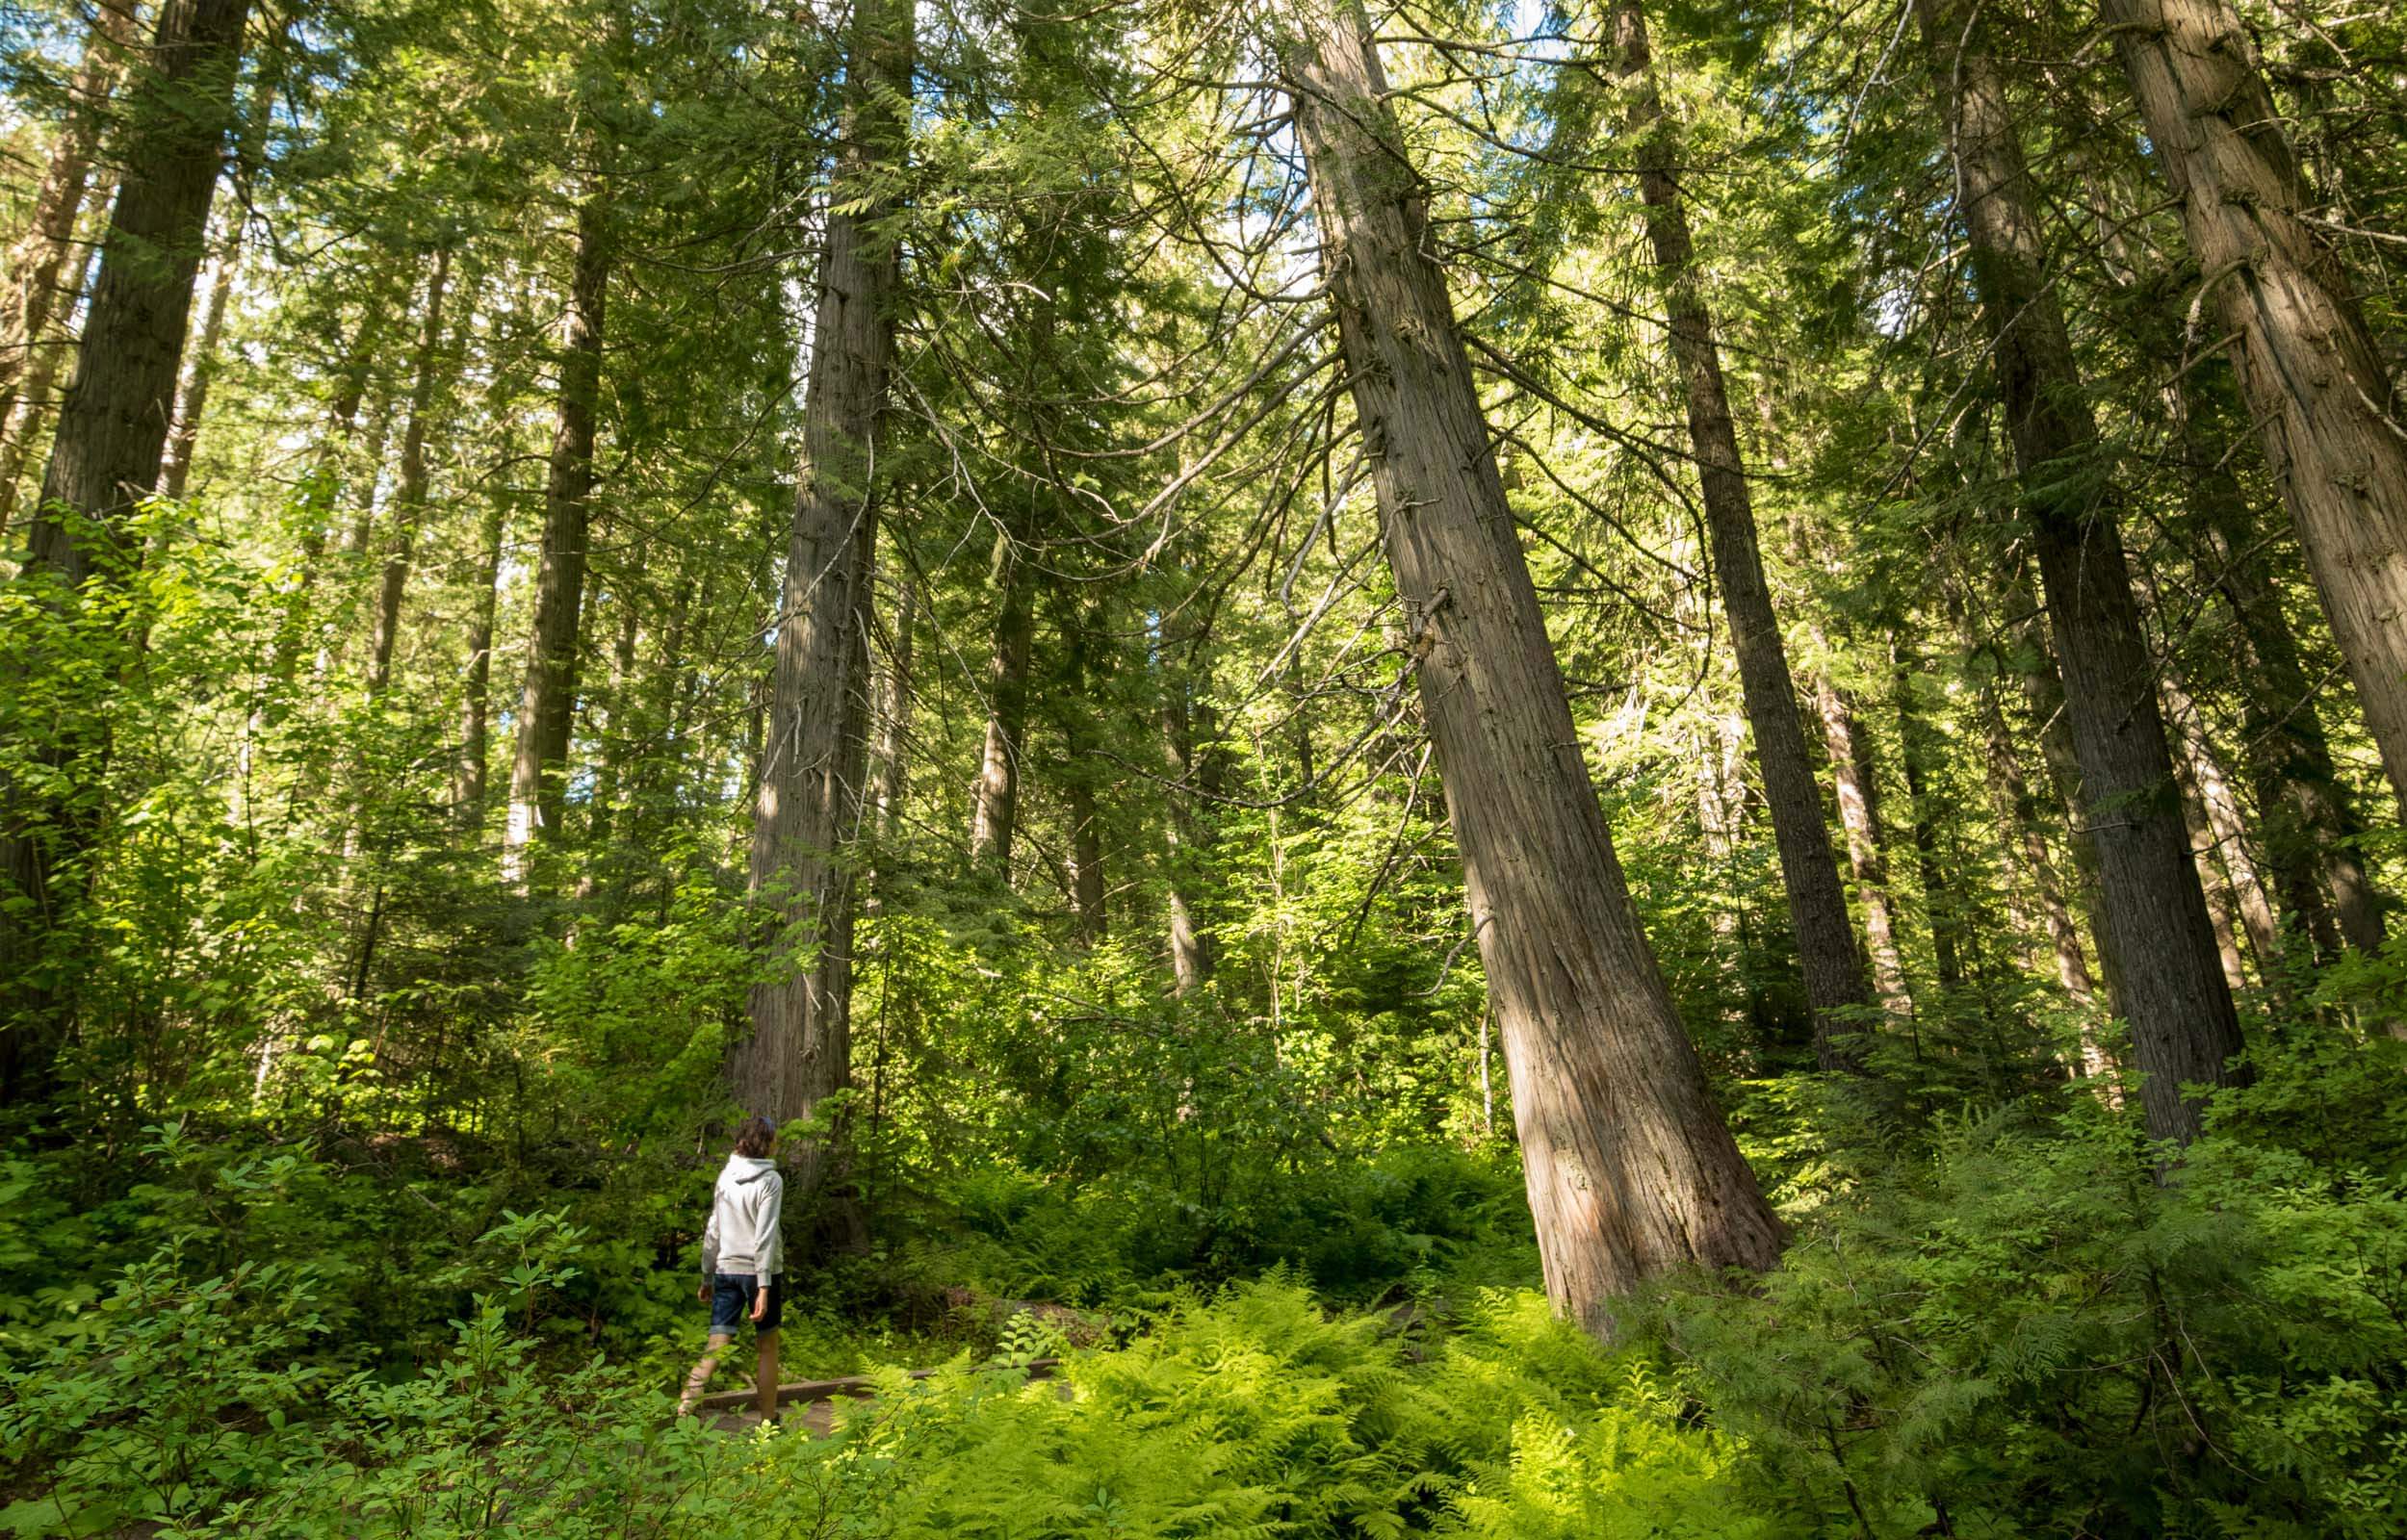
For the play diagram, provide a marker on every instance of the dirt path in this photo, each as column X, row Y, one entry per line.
column 811, row 1403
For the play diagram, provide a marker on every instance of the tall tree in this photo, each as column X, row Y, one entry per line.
column 184, row 438
column 995, row 814
column 2314, row 380
column 1630, row 1167
column 113, row 430
column 1835, row 984
column 2184, row 1028
column 547, row 700
column 409, row 493
column 37, row 275
column 815, row 754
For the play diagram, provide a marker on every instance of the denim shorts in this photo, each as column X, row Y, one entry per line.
column 731, row 1302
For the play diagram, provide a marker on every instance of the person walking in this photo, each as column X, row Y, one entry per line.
column 743, row 1262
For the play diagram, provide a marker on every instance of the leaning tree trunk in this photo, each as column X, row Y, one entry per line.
column 996, row 816
column 112, row 428
column 814, row 755
column 1835, row 984
column 2308, row 366
column 1630, row 1166
column 2184, row 1028
column 547, row 700
column 29, row 288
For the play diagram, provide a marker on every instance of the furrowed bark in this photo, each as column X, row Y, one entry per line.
column 1835, row 984
column 814, row 751
column 31, row 293
column 2184, row 1028
column 113, row 428
column 1631, row 1169
column 2308, row 367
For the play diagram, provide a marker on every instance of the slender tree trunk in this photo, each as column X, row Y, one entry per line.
column 29, row 288
column 1852, row 776
column 1835, row 984
column 2308, row 366
column 409, row 493
column 2310, row 824
column 1190, row 958
column 193, row 400
column 2212, row 881
column 113, row 428
column 895, row 711
column 2018, row 821
column 618, row 735
column 2226, row 824
column 996, row 817
column 1086, row 853
column 2184, row 1028
column 1075, row 724
column 1917, row 752
column 475, row 696
column 1631, row 1169
column 2043, row 695
column 547, row 701
column 805, row 822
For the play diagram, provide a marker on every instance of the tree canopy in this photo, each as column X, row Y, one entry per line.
column 1546, row 768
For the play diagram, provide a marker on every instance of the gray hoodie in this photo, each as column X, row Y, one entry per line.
column 742, row 1236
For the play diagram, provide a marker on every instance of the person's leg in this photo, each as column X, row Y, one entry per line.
column 764, row 1332
column 765, row 1387
column 700, row 1379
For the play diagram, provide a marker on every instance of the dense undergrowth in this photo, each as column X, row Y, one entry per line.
column 2006, row 1325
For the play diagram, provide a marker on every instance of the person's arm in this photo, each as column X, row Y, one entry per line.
column 711, row 1246
column 774, row 1247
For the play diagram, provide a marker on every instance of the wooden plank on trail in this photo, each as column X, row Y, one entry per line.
column 858, row 1385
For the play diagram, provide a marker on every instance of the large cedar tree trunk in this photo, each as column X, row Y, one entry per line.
column 32, row 291
column 547, row 699
column 1630, row 1166
column 814, row 753
column 2171, row 988
column 1835, row 984
column 2308, row 367
column 112, row 428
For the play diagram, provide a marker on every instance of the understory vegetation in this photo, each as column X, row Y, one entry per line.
column 1541, row 769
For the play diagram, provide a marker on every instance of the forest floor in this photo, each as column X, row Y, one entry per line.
column 811, row 1403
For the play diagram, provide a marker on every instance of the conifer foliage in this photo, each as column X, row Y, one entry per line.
column 1561, row 768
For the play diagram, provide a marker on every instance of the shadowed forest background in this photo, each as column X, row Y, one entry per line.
column 1549, row 769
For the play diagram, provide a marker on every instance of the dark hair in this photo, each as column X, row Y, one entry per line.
column 755, row 1136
